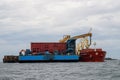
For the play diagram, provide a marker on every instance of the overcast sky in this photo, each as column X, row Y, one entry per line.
column 25, row 21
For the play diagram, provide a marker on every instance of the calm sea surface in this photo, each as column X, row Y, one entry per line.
column 109, row 70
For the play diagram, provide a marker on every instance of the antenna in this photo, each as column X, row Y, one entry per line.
column 90, row 30
column 94, row 45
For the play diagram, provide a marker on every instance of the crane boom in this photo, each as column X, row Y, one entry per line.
column 82, row 36
column 84, row 44
column 66, row 37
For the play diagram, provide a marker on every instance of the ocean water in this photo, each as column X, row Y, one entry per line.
column 108, row 70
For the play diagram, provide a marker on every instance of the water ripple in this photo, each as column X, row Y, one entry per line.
column 108, row 70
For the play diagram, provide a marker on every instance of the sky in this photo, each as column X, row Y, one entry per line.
column 26, row 21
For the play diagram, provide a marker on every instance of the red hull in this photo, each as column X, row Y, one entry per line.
column 92, row 55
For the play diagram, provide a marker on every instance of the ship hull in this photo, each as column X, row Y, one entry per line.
column 86, row 55
column 92, row 55
column 49, row 58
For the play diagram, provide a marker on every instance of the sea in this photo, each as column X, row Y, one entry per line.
column 108, row 70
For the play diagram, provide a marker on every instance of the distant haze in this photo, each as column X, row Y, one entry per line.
column 26, row 21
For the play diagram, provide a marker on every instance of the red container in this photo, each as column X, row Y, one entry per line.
column 46, row 46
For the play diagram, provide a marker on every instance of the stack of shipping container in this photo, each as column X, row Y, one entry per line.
column 41, row 48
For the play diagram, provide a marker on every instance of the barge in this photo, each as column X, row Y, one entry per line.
column 63, row 51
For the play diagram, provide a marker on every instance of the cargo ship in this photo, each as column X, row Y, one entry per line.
column 66, row 50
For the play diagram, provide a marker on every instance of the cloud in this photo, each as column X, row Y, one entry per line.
column 111, row 46
column 24, row 21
